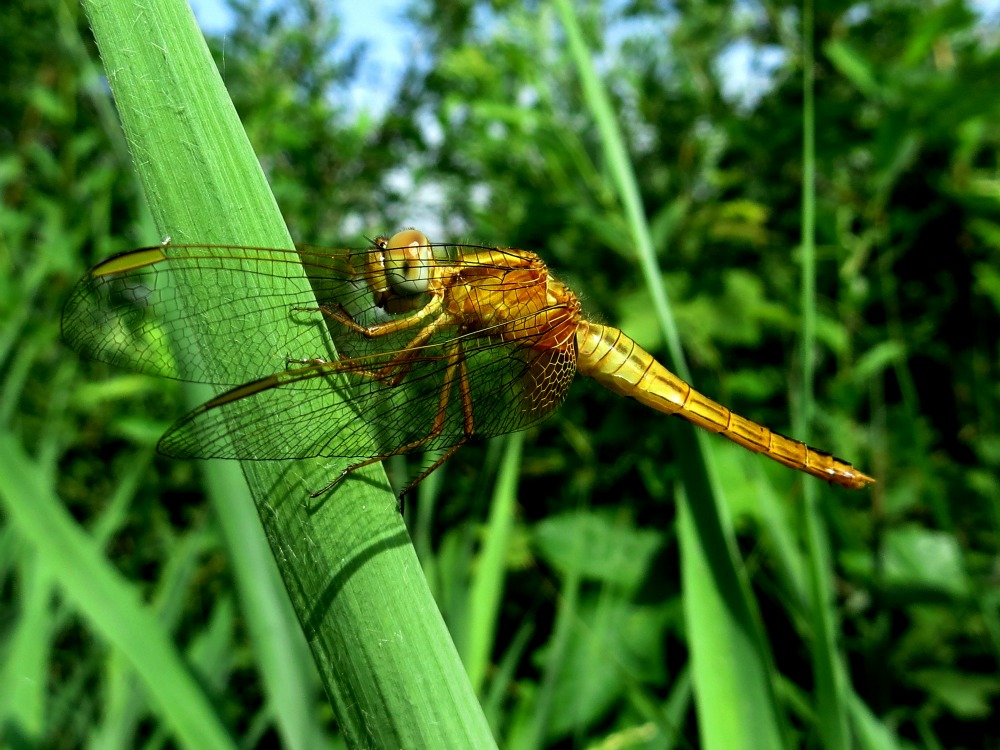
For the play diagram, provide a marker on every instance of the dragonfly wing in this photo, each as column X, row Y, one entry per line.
column 329, row 409
column 341, row 409
column 267, row 419
column 146, row 310
column 515, row 386
column 472, row 375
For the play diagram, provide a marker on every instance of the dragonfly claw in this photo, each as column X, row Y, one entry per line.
column 305, row 361
column 343, row 475
column 331, row 485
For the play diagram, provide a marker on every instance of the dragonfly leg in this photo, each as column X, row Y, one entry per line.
column 402, row 363
column 465, row 392
column 305, row 361
column 379, row 329
column 392, row 372
column 456, row 367
column 338, row 313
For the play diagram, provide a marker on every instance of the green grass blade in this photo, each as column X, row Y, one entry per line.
column 376, row 635
column 732, row 664
column 487, row 585
column 109, row 603
column 23, row 675
column 281, row 652
column 872, row 733
column 567, row 614
column 828, row 668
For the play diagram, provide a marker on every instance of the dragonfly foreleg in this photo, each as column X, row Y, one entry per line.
column 304, row 361
column 338, row 313
column 341, row 315
column 393, row 371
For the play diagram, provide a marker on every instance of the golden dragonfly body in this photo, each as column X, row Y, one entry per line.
column 437, row 350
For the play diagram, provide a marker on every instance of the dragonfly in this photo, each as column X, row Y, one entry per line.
column 434, row 345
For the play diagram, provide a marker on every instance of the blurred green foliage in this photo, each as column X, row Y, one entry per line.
column 489, row 139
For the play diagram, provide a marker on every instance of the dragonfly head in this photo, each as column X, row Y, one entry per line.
column 407, row 260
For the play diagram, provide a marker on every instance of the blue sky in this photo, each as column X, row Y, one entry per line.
column 371, row 18
column 379, row 23
column 376, row 22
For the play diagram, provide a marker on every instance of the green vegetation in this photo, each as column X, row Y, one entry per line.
column 610, row 578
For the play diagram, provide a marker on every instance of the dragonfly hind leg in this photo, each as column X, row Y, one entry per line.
column 456, row 367
column 468, row 430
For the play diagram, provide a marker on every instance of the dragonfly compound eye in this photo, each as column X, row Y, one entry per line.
column 408, row 260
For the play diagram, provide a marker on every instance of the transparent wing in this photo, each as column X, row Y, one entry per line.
column 136, row 311
column 343, row 409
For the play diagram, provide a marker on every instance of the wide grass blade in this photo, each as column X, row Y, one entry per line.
column 281, row 652
column 376, row 635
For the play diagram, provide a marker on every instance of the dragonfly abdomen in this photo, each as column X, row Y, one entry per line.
column 618, row 363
